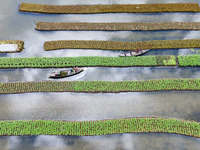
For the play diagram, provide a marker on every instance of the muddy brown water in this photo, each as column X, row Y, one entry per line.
column 15, row 25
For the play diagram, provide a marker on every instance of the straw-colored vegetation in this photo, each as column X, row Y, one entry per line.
column 101, row 86
column 116, row 26
column 19, row 43
column 86, row 61
column 113, row 8
column 100, row 127
column 189, row 60
column 119, row 45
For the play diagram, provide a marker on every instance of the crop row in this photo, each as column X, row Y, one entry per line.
column 189, row 60
column 101, row 127
column 119, row 45
column 101, row 86
column 129, row 26
column 19, row 43
column 87, row 61
column 113, row 8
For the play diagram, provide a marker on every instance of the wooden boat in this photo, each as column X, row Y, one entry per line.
column 134, row 53
column 65, row 73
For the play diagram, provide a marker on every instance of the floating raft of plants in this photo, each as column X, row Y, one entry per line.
column 116, row 26
column 113, row 8
column 119, row 45
column 100, row 127
column 189, row 60
column 20, row 45
column 86, row 61
column 101, row 86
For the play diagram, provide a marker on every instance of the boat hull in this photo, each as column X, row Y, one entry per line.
column 59, row 76
column 134, row 53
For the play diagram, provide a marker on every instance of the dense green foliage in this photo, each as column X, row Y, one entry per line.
column 189, row 60
column 117, row 26
column 102, row 127
column 20, row 45
column 114, row 8
column 101, row 86
column 42, row 62
column 119, row 45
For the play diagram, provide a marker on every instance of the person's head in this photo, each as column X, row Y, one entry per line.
column 138, row 48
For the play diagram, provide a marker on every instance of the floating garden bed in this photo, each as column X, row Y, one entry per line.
column 189, row 60
column 20, row 46
column 130, row 26
column 101, row 86
column 119, row 45
column 101, row 127
column 113, row 8
column 86, row 61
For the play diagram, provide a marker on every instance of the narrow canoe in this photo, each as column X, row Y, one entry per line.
column 65, row 73
column 133, row 53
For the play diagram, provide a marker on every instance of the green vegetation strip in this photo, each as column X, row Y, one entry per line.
column 130, row 26
column 100, row 127
column 189, row 60
column 113, row 8
column 101, row 86
column 119, row 45
column 19, row 43
column 86, row 61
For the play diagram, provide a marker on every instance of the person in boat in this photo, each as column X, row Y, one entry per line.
column 76, row 69
column 56, row 73
column 139, row 50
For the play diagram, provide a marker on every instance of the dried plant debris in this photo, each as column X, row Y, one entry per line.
column 113, row 8
column 116, row 26
column 20, row 45
column 119, row 45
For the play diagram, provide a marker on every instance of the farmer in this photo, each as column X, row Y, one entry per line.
column 76, row 69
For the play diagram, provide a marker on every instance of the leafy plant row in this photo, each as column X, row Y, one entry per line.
column 47, row 62
column 113, row 8
column 101, row 127
column 101, row 86
column 19, row 43
column 130, row 26
column 119, row 45
column 189, row 60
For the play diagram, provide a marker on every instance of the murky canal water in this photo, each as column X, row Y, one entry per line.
column 71, row 106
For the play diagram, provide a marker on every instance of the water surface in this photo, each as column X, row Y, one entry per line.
column 15, row 25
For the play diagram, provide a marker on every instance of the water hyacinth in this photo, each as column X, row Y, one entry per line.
column 86, row 61
column 101, row 86
column 100, row 127
column 189, row 60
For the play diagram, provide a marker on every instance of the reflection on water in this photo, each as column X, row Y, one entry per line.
column 110, row 142
column 15, row 25
column 103, row 74
column 73, row 106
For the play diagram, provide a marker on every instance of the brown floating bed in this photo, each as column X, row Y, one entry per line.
column 113, row 8
column 119, row 45
column 20, row 45
column 130, row 26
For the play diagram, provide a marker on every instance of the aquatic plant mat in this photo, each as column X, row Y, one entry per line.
column 20, row 45
column 119, row 45
column 101, row 86
column 113, row 8
column 100, row 127
column 116, row 26
column 86, row 61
